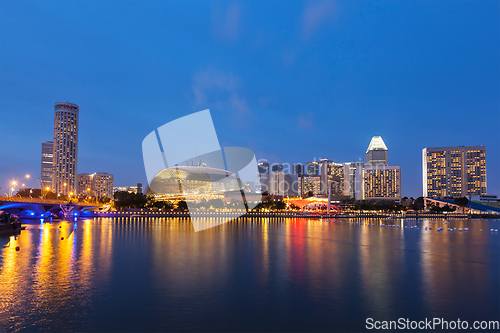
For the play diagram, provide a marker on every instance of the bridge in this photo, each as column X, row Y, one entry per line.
column 41, row 208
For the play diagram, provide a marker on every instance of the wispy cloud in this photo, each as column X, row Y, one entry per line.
column 226, row 20
column 215, row 88
column 306, row 121
column 314, row 14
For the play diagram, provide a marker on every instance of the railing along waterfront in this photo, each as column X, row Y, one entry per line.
column 282, row 214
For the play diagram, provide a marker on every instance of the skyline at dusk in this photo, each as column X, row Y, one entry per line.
column 293, row 81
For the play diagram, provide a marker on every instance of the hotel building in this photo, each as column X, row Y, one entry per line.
column 47, row 164
column 65, row 148
column 454, row 171
column 377, row 152
column 382, row 182
column 375, row 180
column 99, row 185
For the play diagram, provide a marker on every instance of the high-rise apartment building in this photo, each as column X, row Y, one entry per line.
column 312, row 168
column 298, row 169
column 282, row 183
column 103, row 185
column 85, row 186
column 47, row 164
column 310, row 184
column 332, row 177
column 65, row 148
column 98, row 185
column 263, row 168
column 454, row 171
column 277, row 167
column 354, row 180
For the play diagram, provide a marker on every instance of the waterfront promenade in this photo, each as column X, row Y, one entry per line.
column 283, row 214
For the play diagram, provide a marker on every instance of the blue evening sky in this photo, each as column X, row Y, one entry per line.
column 292, row 80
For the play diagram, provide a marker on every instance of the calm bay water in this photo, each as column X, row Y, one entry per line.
column 132, row 274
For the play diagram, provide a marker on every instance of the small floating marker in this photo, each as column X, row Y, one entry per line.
column 496, row 230
column 492, row 230
column 62, row 238
column 425, row 228
column 430, row 228
column 480, row 229
column 59, row 226
column 17, row 248
column 454, row 228
column 459, row 229
column 466, row 229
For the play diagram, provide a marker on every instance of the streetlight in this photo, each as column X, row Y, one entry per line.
column 39, row 181
column 12, row 188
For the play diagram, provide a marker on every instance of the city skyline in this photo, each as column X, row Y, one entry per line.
column 323, row 91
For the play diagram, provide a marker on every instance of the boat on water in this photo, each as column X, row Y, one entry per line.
column 9, row 223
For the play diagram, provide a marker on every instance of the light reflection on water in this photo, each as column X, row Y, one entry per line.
column 155, row 274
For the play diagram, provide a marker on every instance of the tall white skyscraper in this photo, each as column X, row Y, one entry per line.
column 65, row 148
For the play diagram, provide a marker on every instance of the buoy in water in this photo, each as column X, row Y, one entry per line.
column 17, row 248
column 59, row 226
column 62, row 238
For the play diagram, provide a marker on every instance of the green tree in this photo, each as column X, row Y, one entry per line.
column 182, row 205
column 461, row 201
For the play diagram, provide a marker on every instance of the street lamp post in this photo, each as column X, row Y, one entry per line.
column 12, row 188
column 39, row 181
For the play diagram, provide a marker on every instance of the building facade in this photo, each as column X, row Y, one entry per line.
column 263, row 168
column 98, row 185
column 85, row 187
column 382, row 182
column 312, row 168
column 377, row 152
column 103, row 185
column 332, row 177
column 311, row 184
column 298, row 169
column 454, row 171
column 47, row 164
column 277, row 168
column 354, row 180
column 65, row 148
